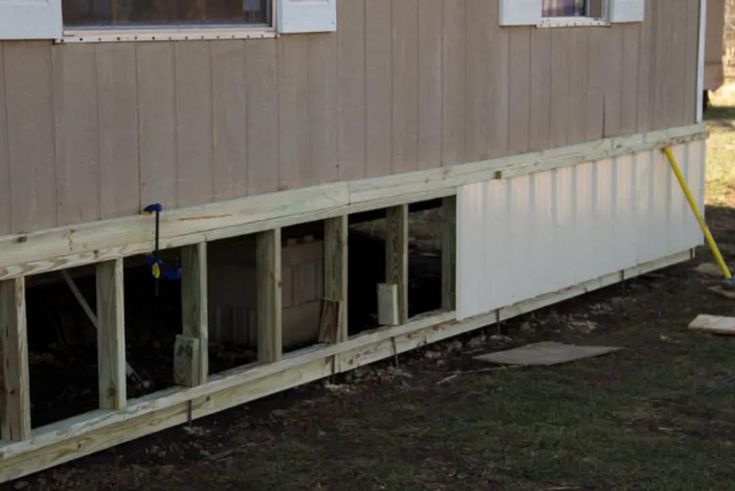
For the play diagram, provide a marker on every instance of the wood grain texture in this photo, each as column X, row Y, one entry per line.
column 335, row 270
column 157, row 122
column 262, row 124
column 117, row 95
column 111, row 335
column 449, row 253
column 379, row 86
column 193, row 81
column 77, row 135
column 389, row 310
column 431, row 76
column 323, row 110
column 541, row 53
column 5, row 202
column 519, row 95
column 29, row 110
column 269, row 311
column 352, row 82
column 15, row 404
column 396, row 256
column 454, row 121
column 478, row 113
column 229, row 120
column 194, row 304
column 405, row 97
column 186, row 361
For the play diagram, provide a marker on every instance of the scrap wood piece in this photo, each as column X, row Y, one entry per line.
column 718, row 290
column 714, row 324
column 545, row 354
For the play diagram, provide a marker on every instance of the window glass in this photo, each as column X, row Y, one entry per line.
column 565, row 8
column 140, row 13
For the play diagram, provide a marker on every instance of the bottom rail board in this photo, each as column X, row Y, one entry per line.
column 89, row 433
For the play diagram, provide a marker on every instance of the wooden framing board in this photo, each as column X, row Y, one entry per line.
column 66, row 247
column 15, row 403
column 396, row 258
column 449, row 253
column 269, row 312
column 111, row 335
column 194, row 316
column 335, row 270
column 86, row 434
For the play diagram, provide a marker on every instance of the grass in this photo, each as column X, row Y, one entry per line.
column 721, row 149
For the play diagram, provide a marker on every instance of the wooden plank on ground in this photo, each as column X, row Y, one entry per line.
column 714, row 324
column 335, row 269
column 269, row 313
column 15, row 404
column 396, row 256
column 194, row 304
column 111, row 335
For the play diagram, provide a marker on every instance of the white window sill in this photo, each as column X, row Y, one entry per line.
column 550, row 22
column 165, row 34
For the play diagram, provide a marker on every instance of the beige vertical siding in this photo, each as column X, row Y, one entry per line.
column 97, row 131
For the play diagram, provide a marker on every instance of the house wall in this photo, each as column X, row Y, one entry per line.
column 95, row 131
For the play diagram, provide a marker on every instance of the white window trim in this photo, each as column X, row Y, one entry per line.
column 550, row 22
column 171, row 33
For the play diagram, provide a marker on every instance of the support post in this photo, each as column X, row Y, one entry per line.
column 396, row 256
column 449, row 253
column 111, row 335
column 191, row 356
column 268, row 277
column 335, row 276
column 15, row 403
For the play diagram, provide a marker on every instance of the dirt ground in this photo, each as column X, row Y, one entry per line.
column 658, row 415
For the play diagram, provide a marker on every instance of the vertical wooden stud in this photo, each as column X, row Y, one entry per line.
column 449, row 252
column 396, row 256
column 335, row 271
column 194, row 316
column 111, row 335
column 15, row 403
column 268, row 276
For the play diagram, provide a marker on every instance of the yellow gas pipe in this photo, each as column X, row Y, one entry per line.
column 695, row 209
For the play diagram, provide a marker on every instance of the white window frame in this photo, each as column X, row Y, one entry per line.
column 171, row 33
column 581, row 21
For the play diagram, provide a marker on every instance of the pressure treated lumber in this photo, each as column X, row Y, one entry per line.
column 194, row 308
column 187, row 361
column 449, row 252
column 86, row 434
column 269, row 312
column 111, row 335
column 335, row 272
column 396, row 257
column 66, row 247
column 15, row 404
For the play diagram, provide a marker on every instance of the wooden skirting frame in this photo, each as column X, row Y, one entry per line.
column 105, row 244
column 98, row 430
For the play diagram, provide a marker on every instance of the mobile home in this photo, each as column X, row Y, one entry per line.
column 260, row 135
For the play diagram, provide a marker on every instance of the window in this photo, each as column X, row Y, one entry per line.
column 99, row 14
column 565, row 8
column 570, row 13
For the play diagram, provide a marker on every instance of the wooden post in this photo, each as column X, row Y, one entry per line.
column 194, row 359
column 15, row 403
column 396, row 256
column 268, row 277
column 449, row 253
column 335, row 273
column 111, row 335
